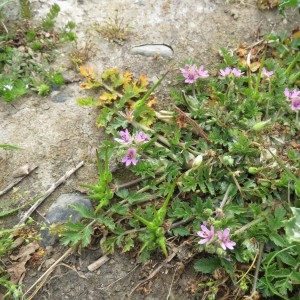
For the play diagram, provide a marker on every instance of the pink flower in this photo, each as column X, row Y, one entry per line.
column 189, row 73
column 266, row 72
column 224, row 239
column 225, row 72
column 295, row 104
column 125, row 137
column 130, row 157
column 206, row 234
column 141, row 137
column 202, row 73
column 236, row 72
column 291, row 94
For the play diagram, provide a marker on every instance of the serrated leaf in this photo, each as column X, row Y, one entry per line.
column 84, row 211
column 277, row 239
column 292, row 226
column 207, row 265
column 281, row 273
column 104, row 117
column 109, row 222
column 181, row 231
column 147, row 117
column 86, row 235
column 188, row 183
column 211, row 188
column 142, row 81
column 109, row 73
column 119, row 209
column 108, row 246
column 287, row 259
column 129, row 244
column 87, row 71
column 107, row 98
column 283, row 286
column 89, row 101
column 123, row 193
column 72, row 233
column 134, row 198
column 295, row 276
column 202, row 187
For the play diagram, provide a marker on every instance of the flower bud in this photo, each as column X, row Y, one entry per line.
column 220, row 252
column 260, row 125
column 228, row 160
column 207, row 212
column 253, row 170
column 197, row 161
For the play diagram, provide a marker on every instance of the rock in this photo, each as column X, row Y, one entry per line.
column 153, row 50
column 59, row 97
column 61, row 212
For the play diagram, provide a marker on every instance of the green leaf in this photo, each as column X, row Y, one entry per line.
column 86, row 235
column 104, row 117
column 109, row 222
column 277, row 239
column 283, row 286
column 129, row 244
column 211, row 188
column 84, row 211
column 123, row 193
column 72, row 233
column 181, row 231
column 227, row 265
column 188, row 183
column 89, row 101
column 288, row 259
column 10, row 147
column 207, row 265
column 292, row 226
column 119, row 209
column 134, row 198
column 295, row 276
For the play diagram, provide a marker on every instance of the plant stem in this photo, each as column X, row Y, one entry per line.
column 252, row 223
column 225, row 197
column 292, row 64
column 259, row 74
column 193, row 90
column 258, row 262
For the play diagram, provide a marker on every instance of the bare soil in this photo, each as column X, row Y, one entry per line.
column 56, row 134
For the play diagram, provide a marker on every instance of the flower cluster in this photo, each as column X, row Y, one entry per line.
column 192, row 73
column 222, row 237
column 126, row 139
column 235, row 72
column 294, row 97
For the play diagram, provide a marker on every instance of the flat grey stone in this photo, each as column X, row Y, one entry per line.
column 152, row 50
column 60, row 212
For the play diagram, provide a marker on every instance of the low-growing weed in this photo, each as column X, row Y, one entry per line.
column 26, row 52
column 219, row 170
column 114, row 29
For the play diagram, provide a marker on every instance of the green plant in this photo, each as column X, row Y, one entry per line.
column 13, row 291
column 288, row 3
column 25, row 9
column 26, row 54
column 218, row 170
column 114, row 29
column 48, row 21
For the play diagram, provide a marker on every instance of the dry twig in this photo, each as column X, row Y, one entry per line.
column 17, row 180
column 44, row 277
column 48, row 193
